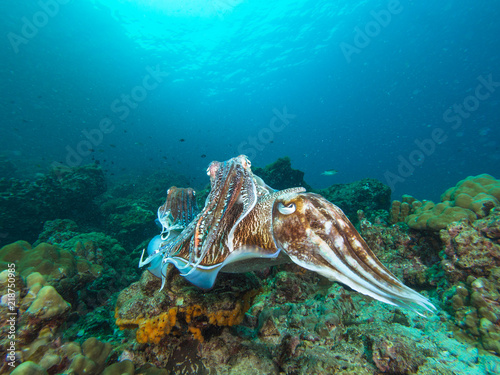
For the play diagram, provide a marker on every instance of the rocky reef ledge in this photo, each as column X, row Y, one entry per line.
column 83, row 306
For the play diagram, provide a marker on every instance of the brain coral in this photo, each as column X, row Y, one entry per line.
column 470, row 199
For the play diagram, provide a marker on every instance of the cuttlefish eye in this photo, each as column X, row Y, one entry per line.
column 286, row 210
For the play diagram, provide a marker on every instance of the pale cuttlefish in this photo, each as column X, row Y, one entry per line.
column 246, row 225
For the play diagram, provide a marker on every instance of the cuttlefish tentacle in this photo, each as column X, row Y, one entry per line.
column 316, row 235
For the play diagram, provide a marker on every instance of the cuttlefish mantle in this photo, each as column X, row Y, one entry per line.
column 247, row 225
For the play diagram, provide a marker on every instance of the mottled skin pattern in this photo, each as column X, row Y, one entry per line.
column 318, row 236
column 246, row 223
column 256, row 229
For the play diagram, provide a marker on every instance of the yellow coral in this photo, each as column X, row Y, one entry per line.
column 193, row 312
column 153, row 329
column 196, row 333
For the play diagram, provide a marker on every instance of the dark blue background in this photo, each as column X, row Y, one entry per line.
column 231, row 65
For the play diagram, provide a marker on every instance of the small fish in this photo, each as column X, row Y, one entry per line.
column 203, row 156
column 330, row 172
column 181, row 140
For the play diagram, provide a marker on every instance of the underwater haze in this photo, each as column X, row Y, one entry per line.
column 407, row 92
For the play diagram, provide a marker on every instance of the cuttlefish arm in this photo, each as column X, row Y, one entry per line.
column 316, row 235
column 205, row 246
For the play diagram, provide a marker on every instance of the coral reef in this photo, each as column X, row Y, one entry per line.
column 463, row 262
column 367, row 194
column 66, row 194
column 130, row 222
column 156, row 313
column 57, row 231
column 476, row 193
column 40, row 312
column 96, row 247
column 51, row 261
column 71, row 318
column 400, row 210
column 118, row 269
column 280, row 174
column 92, row 357
column 434, row 217
column 470, row 199
column 410, row 256
column 471, row 249
column 299, row 324
column 471, row 264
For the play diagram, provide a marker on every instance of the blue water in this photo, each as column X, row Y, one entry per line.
column 351, row 86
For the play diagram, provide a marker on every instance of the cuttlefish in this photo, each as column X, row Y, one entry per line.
column 247, row 225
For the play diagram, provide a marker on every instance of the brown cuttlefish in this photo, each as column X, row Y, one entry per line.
column 247, row 225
